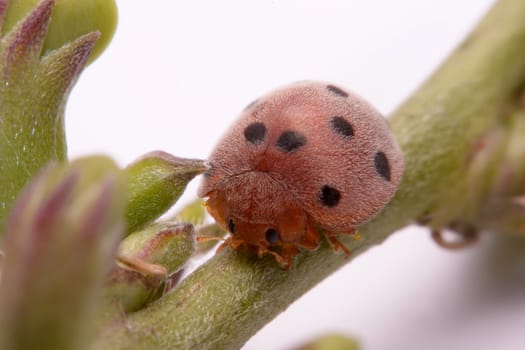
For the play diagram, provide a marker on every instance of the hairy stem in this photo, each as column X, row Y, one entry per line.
column 439, row 128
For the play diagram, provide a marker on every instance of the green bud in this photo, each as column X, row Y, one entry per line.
column 62, row 235
column 156, row 181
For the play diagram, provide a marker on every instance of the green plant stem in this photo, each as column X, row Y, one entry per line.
column 227, row 300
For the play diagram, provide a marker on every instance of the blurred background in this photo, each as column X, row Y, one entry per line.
column 176, row 76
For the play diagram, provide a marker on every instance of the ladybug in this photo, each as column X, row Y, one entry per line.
column 306, row 160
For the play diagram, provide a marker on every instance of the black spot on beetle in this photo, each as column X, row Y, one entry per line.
column 341, row 126
column 272, row 236
column 336, row 90
column 231, row 226
column 329, row 196
column 290, row 140
column 382, row 165
column 255, row 133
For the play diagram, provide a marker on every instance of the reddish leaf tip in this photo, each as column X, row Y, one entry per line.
column 186, row 165
column 27, row 38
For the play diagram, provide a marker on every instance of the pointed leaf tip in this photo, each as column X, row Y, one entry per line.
column 80, row 50
column 61, row 67
column 69, row 20
column 186, row 165
column 25, row 41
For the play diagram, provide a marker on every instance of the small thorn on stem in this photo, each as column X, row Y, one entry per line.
column 338, row 245
column 202, row 239
column 141, row 266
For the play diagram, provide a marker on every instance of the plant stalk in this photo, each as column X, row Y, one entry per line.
column 232, row 296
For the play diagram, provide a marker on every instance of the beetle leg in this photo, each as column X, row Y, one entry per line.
column 337, row 244
column 311, row 238
column 289, row 251
column 261, row 251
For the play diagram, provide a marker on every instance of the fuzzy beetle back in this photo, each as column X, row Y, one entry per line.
column 307, row 158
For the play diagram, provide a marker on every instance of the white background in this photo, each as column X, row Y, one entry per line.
column 178, row 72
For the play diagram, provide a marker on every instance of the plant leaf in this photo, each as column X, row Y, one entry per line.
column 33, row 94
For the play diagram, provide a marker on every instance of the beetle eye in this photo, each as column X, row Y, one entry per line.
column 231, row 226
column 272, row 236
